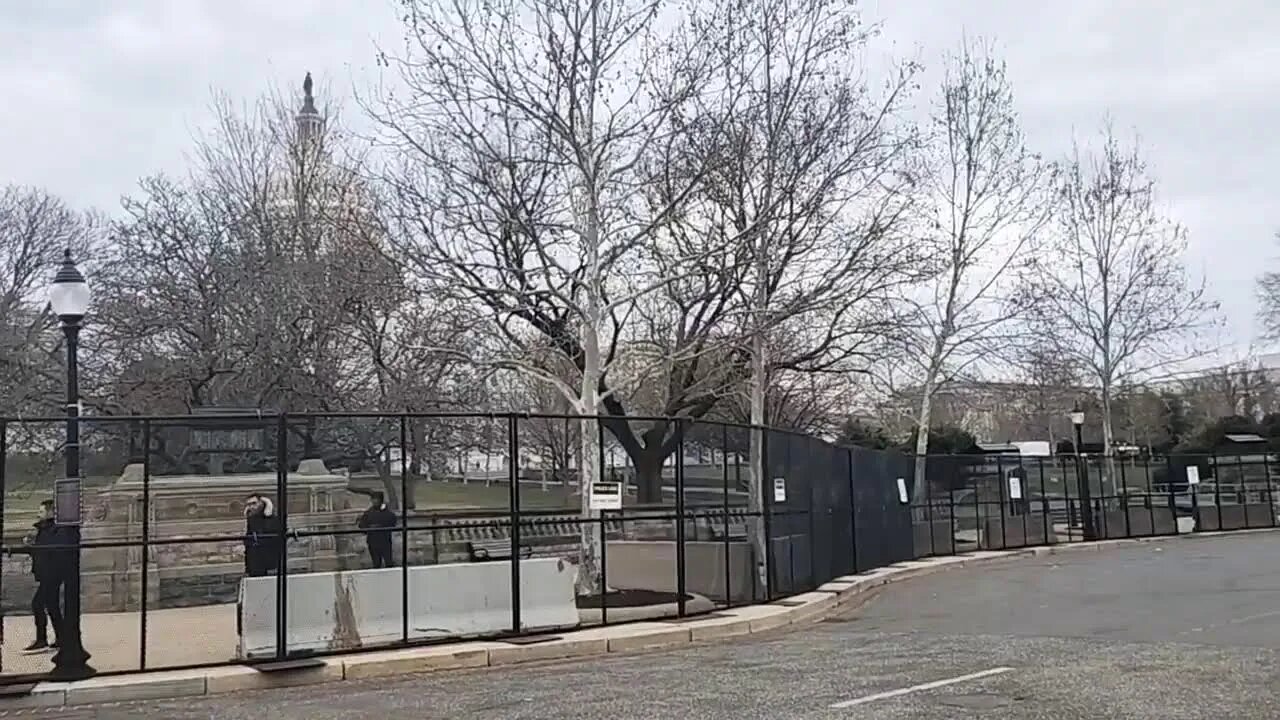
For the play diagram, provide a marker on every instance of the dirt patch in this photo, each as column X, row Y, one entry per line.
column 629, row 598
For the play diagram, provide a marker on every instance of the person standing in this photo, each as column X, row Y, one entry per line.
column 377, row 522
column 262, row 537
column 46, row 602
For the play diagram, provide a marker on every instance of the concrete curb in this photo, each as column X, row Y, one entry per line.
column 806, row 608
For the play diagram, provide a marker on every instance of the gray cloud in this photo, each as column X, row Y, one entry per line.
column 97, row 94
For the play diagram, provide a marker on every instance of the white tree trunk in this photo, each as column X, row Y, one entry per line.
column 1108, row 444
column 589, row 581
column 589, row 547
column 923, row 418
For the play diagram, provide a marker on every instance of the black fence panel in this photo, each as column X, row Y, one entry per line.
column 251, row 537
column 881, row 520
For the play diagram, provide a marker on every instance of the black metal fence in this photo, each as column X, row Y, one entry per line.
column 484, row 525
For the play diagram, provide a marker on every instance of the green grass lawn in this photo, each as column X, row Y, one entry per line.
column 458, row 496
column 455, row 495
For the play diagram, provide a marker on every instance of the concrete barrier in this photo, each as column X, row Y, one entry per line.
column 345, row 610
column 1234, row 517
column 651, row 565
column 1016, row 531
column 1137, row 522
column 933, row 538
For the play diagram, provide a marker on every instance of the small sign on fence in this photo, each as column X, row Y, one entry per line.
column 605, row 496
column 1193, row 475
column 779, row 490
column 903, row 497
column 1015, row 487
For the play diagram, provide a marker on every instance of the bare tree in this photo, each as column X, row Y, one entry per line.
column 230, row 287
column 813, row 181
column 35, row 229
column 1113, row 292
column 984, row 203
column 530, row 134
column 551, row 433
column 1052, row 382
column 1269, row 302
column 1243, row 389
column 683, row 361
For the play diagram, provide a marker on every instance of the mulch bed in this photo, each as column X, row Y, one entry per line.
column 630, row 598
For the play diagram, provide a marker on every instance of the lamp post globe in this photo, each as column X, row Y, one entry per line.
column 69, row 298
column 1077, row 416
column 69, row 294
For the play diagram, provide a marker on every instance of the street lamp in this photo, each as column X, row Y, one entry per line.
column 1082, row 475
column 69, row 297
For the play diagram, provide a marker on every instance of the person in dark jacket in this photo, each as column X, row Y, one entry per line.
column 262, row 537
column 377, row 522
column 46, row 603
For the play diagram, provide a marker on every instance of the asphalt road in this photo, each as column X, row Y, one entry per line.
column 1184, row 629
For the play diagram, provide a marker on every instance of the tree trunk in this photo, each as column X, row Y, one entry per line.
column 589, row 581
column 920, row 486
column 649, row 478
column 1108, row 442
column 390, row 492
column 418, row 444
column 411, row 491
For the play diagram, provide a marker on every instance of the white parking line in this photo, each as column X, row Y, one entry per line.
column 916, row 688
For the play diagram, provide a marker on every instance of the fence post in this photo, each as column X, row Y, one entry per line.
column 1168, row 485
column 766, row 510
column 977, row 521
column 1124, row 499
column 1000, row 490
column 404, row 528
column 680, row 518
column 1195, row 504
column 951, row 513
column 1023, row 503
column 1266, row 473
column 282, row 502
column 724, row 499
column 1243, row 493
column 928, row 512
column 146, row 540
column 604, row 530
column 853, row 514
column 4, row 490
column 813, row 528
column 1044, row 502
column 1151, row 491
column 1217, row 490
column 513, row 479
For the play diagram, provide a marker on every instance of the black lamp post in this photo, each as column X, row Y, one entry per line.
column 1082, row 475
column 69, row 297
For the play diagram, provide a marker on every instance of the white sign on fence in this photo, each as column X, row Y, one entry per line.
column 902, row 491
column 1015, row 487
column 605, row 496
column 779, row 490
column 1193, row 475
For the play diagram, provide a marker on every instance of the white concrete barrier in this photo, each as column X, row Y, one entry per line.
column 344, row 610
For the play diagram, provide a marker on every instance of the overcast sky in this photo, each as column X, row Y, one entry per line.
column 96, row 93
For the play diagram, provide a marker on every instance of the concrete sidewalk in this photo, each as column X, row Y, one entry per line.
column 175, row 637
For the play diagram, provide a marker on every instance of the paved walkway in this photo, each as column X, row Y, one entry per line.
column 180, row 636
column 1179, row 630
